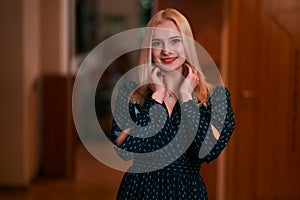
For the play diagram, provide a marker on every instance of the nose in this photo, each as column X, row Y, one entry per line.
column 166, row 50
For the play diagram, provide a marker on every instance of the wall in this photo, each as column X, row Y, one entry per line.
column 31, row 45
column 51, row 40
column 264, row 160
column 11, row 106
column 31, row 72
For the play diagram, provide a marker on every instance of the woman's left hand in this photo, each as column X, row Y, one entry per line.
column 122, row 136
column 189, row 84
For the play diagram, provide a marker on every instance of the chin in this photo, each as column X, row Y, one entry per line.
column 169, row 68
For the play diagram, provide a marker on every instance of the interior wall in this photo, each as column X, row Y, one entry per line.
column 263, row 162
column 11, row 87
column 128, row 10
column 51, row 38
column 31, row 71
column 31, row 43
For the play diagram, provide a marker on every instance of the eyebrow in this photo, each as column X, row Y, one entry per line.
column 173, row 37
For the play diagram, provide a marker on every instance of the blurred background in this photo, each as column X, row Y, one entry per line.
column 255, row 44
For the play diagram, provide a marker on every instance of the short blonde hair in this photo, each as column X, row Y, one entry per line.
column 201, row 90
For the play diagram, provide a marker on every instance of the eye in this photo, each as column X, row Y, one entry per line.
column 157, row 43
column 175, row 41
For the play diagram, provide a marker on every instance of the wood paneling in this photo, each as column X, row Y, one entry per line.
column 263, row 162
column 58, row 131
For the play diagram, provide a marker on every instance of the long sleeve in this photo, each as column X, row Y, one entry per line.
column 148, row 124
column 222, row 118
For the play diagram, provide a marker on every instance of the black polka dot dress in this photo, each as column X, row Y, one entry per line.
column 167, row 152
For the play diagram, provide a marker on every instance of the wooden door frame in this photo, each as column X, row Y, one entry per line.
column 231, row 56
column 222, row 163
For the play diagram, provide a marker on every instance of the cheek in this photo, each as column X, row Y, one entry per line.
column 181, row 60
column 181, row 52
column 182, row 56
column 155, row 54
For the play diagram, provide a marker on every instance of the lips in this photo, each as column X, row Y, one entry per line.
column 168, row 60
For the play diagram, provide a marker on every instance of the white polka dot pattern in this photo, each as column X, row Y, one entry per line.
column 180, row 180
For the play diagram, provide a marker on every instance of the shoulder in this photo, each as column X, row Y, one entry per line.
column 220, row 93
column 125, row 90
column 128, row 86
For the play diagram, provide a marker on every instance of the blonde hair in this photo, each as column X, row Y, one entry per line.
column 201, row 90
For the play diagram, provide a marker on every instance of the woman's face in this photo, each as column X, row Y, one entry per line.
column 167, row 47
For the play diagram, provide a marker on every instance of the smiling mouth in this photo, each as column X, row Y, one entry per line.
column 168, row 60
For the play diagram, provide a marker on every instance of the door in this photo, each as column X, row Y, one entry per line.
column 264, row 161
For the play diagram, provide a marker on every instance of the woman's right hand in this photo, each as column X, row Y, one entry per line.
column 157, row 78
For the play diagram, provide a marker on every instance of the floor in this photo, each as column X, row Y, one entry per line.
column 92, row 181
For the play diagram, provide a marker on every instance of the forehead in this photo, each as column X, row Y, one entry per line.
column 166, row 30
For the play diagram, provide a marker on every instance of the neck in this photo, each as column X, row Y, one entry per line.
column 173, row 80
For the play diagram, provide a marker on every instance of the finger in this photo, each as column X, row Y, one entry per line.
column 153, row 68
column 187, row 63
column 154, row 72
column 158, row 72
column 190, row 71
column 191, row 68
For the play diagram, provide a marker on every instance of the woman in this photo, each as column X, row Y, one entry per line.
column 199, row 118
